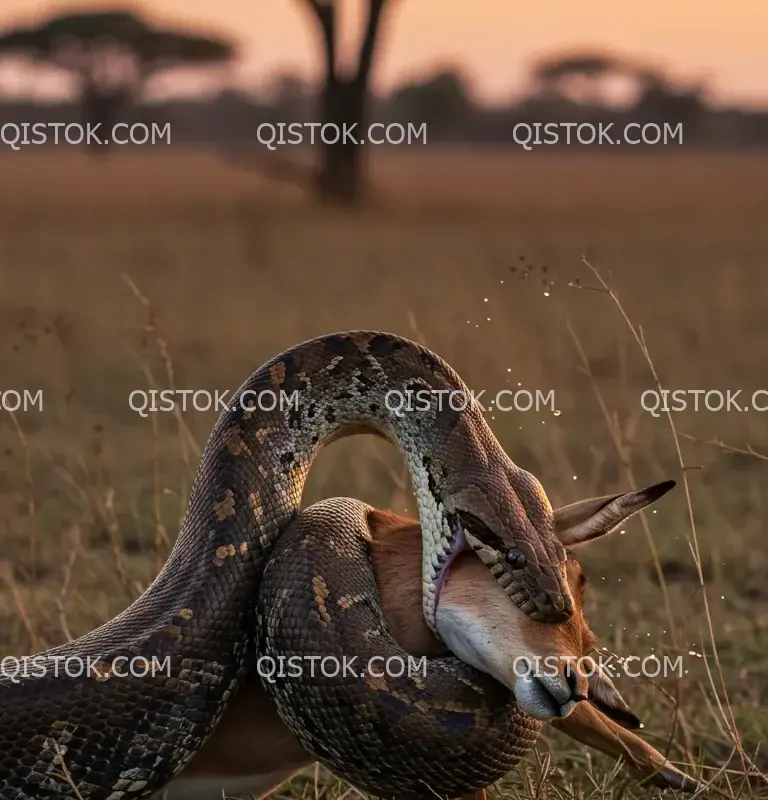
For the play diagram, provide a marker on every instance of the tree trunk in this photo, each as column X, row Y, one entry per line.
column 99, row 106
column 341, row 177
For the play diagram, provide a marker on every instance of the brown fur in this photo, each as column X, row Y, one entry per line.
column 396, row 555
column 396, row 551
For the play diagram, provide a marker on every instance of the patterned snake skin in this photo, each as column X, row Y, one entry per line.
column 126, row 737
column 394, row 727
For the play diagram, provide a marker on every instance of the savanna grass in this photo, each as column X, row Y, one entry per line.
column 168, row 269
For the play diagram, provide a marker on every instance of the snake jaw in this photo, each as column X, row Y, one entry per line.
column 444, row 554
column 457, row 545
column 538, row 606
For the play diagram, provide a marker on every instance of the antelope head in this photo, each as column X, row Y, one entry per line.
column 544, row 664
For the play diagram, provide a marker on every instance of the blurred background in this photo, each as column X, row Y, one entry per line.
column 188, row 263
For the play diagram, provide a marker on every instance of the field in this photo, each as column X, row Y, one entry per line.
column 481, row 257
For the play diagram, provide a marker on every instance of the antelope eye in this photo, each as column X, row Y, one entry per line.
column 515, row 557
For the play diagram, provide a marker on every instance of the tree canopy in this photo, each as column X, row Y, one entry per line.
column 111, row 53
column 114, row 46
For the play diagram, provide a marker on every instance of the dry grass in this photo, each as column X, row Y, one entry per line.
column 236, row 271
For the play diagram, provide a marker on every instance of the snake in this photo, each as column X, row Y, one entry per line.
column 209, row 615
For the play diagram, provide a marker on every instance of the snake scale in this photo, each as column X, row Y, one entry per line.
column 123, row 738
column 442, row 730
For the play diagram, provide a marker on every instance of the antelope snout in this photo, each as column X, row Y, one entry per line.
column 551, row 689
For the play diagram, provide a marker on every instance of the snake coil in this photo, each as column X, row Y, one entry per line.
column 124, row 738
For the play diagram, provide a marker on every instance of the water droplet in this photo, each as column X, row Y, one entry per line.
column 546, row 294
column 485, row 299
column 575, row 477
column 488, row 319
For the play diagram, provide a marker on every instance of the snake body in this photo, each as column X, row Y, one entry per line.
column 126, row 737
column 394, row 726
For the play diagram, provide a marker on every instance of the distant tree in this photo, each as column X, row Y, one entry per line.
column 443, row 101
column 112, row 54
column 290, row 96
column 340, row 178
column 659, row 101
column 576, row 76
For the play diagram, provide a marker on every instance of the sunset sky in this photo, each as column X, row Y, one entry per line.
column 494, row 41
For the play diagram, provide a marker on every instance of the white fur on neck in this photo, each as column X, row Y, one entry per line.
column 500, row 654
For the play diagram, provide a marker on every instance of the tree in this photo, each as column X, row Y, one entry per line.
column 576, row 76
column 345, row 103
column 443, row 102
column 291, row 96
column 660, row 101
column 112, row 55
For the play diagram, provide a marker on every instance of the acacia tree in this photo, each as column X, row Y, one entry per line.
column 344, row 101
column 111, row 54
column 576, row 75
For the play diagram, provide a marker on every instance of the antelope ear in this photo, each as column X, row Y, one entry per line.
column 604, row 695
column 585, row 520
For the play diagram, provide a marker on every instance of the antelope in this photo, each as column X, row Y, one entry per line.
column 251, row 752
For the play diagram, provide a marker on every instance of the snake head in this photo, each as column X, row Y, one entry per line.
column 510, row 525
column 523, row 542
column 541, row 591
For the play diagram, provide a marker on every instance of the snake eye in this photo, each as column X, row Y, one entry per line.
column 515, row 557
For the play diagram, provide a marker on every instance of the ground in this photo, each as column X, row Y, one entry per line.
column 483, row 257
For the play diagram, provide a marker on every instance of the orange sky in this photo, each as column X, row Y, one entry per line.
column 494, row 40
